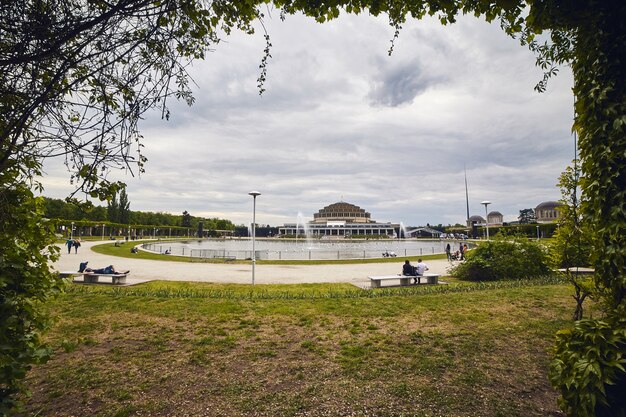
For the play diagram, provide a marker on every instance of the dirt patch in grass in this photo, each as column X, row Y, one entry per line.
column 479, row 354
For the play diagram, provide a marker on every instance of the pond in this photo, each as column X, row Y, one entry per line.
column 301, row 249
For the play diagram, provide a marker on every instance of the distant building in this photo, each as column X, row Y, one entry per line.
column 547, row 212
column 423, row 232
column 495, row 218
column 476, row 220
column 340, row 220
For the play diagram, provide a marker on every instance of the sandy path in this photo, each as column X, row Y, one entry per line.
column 145, row 270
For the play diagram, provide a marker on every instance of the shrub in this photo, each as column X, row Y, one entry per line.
column 504, row 257
column 589, row 367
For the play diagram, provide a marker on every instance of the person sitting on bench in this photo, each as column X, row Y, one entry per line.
column 420, row 268
column 408, row 269
column 108, row 270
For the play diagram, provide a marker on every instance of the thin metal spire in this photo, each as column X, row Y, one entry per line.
column 466, row 195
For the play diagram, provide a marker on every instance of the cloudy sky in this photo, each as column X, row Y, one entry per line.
column 340, row 120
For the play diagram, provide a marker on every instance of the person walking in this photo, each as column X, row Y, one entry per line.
column 461, row 251
column 76, row 245
column 448, row 251
column 69, row 243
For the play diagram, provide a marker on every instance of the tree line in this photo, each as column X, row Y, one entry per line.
column 118, row 212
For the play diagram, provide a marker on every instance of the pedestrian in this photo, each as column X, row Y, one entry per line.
column 408, row 269
column 420, row 268
column 461, row 251
column 69, row 243
column 448, row 251
column 76, row 245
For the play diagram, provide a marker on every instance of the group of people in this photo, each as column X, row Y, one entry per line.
column 72, row 243
column 414, row 271
column 459, row 255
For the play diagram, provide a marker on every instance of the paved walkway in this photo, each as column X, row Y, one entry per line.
column 146, row 270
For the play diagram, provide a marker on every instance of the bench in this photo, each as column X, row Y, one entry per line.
column 92, row 278
column 404, row 279
column 577, row 270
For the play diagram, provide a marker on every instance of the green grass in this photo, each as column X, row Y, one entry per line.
column 167, row 348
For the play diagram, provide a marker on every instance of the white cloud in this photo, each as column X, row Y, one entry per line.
column 342, row 120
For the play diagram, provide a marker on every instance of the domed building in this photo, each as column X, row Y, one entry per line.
column 547, row 212
column 495, row 218
column 342, row 211
column 475, row 220
column 340, row 220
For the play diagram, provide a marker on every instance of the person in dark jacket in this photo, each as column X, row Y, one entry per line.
column 408, row 269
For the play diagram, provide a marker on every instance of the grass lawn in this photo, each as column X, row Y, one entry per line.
column 189, row 349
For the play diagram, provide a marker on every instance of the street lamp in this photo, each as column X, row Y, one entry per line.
column 72, row 231
column 254, row 194
column 486, row 203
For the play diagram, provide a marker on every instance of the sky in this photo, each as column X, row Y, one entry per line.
column 341, row 120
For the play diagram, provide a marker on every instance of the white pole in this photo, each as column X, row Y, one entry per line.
column 253, row 236
column 254, row 194
column 486, row 203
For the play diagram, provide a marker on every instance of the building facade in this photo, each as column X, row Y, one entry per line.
column 340, row 220
column 547, row 212
column 495, row 218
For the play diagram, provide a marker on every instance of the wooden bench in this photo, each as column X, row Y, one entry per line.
column 404, row 279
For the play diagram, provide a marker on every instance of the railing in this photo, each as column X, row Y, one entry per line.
column 317, row 254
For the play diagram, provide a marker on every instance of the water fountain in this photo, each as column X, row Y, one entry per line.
column 403, row 232
column 301, row 221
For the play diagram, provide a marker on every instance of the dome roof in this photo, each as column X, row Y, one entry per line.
column 476, row 218
column 548, row 205
column 342, row 206
column 495, row 213
column 342, row 211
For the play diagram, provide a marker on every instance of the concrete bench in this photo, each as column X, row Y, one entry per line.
column 93, row 278
column 577, row 270
column 404, row 279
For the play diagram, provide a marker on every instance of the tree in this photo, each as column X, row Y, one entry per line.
column 527, row 216
column 124, row 208
column 25, row 280
column 113, row 209
column 571, row 246
column 76, row 79
column 78, row 76
column 186, row 222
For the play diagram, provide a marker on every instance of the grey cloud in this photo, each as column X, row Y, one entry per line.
column 342, row 120
column 400, row 85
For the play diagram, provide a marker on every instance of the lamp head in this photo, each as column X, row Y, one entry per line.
column 254, row 193
column 486, row 202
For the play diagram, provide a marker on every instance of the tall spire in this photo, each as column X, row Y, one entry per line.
column 466, row 195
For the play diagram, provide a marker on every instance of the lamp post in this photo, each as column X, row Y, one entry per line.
column 254, row 194
column 102, row 231
column 486, row 203
column 72, row 231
